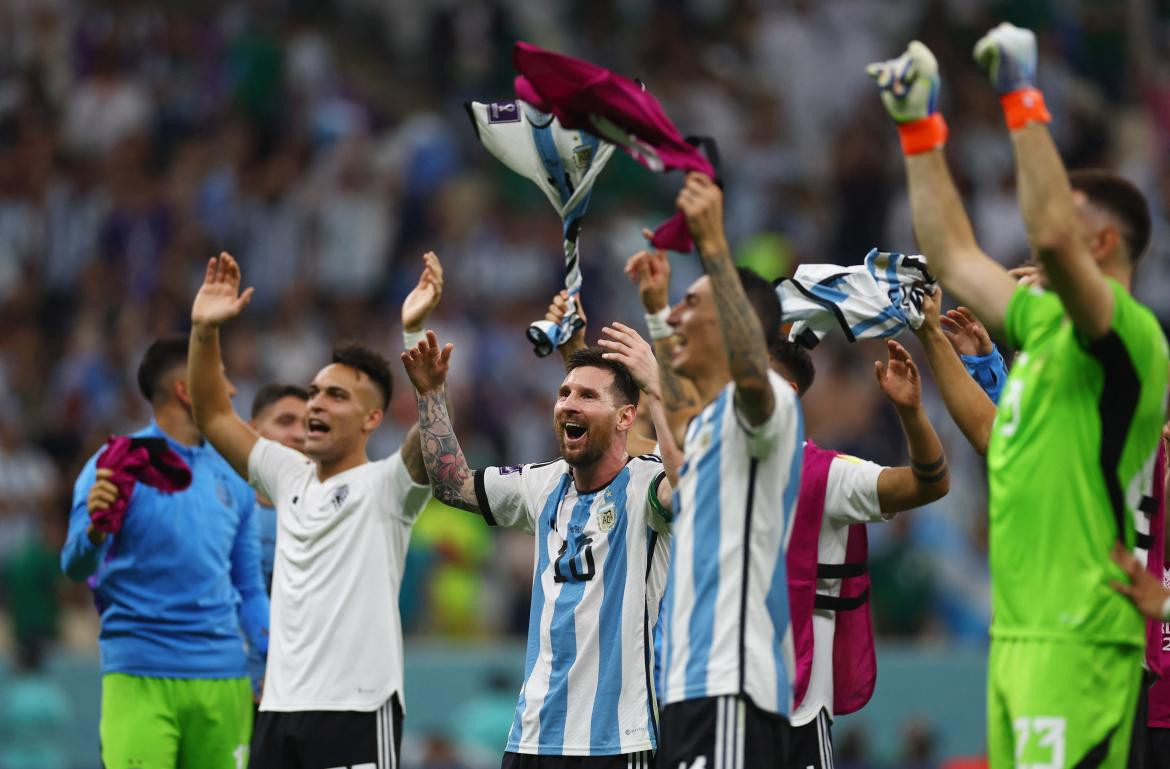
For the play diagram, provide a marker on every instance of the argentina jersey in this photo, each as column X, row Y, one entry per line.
column 725, row 624
column 587, row 688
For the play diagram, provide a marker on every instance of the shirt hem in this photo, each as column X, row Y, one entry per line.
column 362, row 706
column 1069, row 638
column 184, row 675
column 799, row 717
column 537, row 750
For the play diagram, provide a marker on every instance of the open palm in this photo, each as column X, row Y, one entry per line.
column 219, row 298
column 899, row 378
column 423, row 299
column 427, row 364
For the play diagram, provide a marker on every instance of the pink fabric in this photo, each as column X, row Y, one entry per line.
column 1158, row 633
column 587, row 97
column 149, row 460
column 801, row 561
column 854, row 658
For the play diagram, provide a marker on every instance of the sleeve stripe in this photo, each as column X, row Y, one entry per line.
column 481, row 498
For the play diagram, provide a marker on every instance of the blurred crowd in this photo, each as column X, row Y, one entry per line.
column 325, row 145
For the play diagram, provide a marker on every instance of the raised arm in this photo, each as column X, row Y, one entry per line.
column 1008, row 54
column 970, row 407
column 701, row 201
column 927, row 478
column 626, row 346
column 909, row 90
column 218, row 301
column 416, row 309
column 650, row 271
column 452, row 481
column 556, row 313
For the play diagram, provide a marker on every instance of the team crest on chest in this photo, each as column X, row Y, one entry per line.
column 607, row 513
column 337, row 498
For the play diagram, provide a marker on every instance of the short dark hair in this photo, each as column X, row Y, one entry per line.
column 762, row 296
column 164, row 355
column 271, row 393
column 796, row 363
column 1121, row 198
column 377, row 368
column 624, row 386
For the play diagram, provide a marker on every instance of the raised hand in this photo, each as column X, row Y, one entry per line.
column 427, row 365
column 650, row 271
column 624, row 345
column 1008, row 55
column 965, row 333
column 701, row 201
column 556, row 313
column 899, row 377
column 219, row 298
column 424, row 298
column 909, row 84
column 930, row 313
column 1030, row 275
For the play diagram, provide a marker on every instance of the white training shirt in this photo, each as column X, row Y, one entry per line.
column 335, row 638
column 726, row 627
column 851, row 497
column 587, row 680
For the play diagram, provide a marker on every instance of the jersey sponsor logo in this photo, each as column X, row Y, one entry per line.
column 338, row 497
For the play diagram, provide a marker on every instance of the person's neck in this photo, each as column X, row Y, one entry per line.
column 1119, row 272
column 592, row 477
column 326, row 470
column 710, row 381
column 176, row 422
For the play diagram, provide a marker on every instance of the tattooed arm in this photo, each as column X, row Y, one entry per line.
column 650, row 271
column 452, row 481
column 743, row 337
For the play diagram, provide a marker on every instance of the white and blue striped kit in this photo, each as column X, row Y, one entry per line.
column 587, row 681
column 725, row 620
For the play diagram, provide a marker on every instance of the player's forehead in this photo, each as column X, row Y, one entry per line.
column 699, row 290
column 339, row 375
column 588, row 377
column 288, row 404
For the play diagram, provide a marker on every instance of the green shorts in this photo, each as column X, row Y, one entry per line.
column 1054, row 705
column 175, row 723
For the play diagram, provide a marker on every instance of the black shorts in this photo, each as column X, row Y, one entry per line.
column 643, row 760
column 811, row 746
column 729, row 732
column 323, row 739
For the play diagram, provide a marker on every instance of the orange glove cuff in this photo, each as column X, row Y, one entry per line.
column 1024, row 106
column 923, row 135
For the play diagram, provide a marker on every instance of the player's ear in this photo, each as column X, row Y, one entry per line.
column 627, row 415
column 180, row 392
column 373, row 420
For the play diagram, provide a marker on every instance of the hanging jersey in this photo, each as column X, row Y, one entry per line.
column 587, row 689
column 725, row 617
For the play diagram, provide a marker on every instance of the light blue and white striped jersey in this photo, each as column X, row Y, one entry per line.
column 725, row 615
column 587, row 680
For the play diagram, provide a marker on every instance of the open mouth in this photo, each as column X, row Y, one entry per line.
column 574, row 431
column 317, row 428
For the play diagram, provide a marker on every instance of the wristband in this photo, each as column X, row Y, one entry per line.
column 1023, row 106
column 1166, row 610
column 924, row 135
column 410, row 339
column 988, row 370
column 656, row 323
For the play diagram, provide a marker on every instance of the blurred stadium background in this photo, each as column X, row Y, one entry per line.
column 325, row 145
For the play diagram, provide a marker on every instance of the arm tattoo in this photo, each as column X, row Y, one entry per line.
column 743, row 337
column 451, row 478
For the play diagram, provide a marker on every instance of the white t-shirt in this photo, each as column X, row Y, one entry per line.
column 851, row 497
column 335, row 633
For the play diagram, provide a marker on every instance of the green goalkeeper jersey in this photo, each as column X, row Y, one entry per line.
column 1070, row 455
